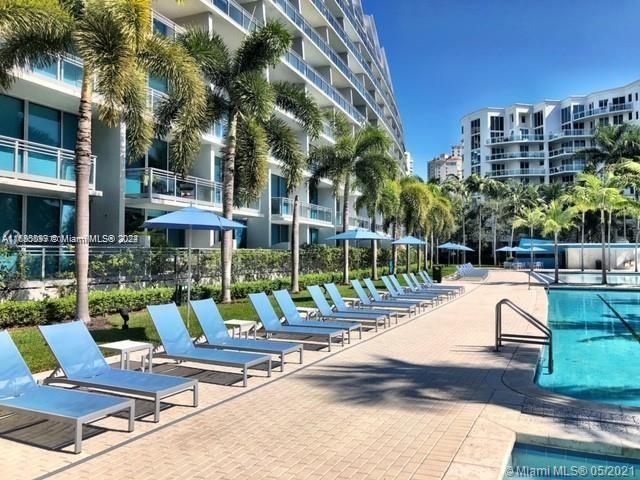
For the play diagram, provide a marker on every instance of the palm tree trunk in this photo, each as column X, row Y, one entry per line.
column 609, row 243
column 408, row 257
column 531, row 248
column 556, row 276
column 426, row 253
column 83, row 174
column 582, row 245
column 624, row 226
column 394, row 249
column 464, row 240
column 295, row 246
column 432, row 241
column 479, row 235
column 228, row 173
column 345, row 227
column 374, row 250
column 603, row 239
column 495, row 238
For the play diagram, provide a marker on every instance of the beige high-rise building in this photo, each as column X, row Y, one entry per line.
column 445, row 165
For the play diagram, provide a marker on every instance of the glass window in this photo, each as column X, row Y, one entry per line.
column 313, row 193
column 240, row 235
column 278, row 186
column 279, row 234
column 217, row 169
column 11, row 125
column 11, row 207
column 158, row 155
column 43, row 216
column 133, row 220
column 158, row 83
column 314, row 236
column 68, row 218
column 44, row 127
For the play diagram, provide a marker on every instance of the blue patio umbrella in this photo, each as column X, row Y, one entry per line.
column 189, row 219
column 408, row 241
column 356, row 234
column 531, row 250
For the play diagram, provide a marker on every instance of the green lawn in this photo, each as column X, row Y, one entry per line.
column 39, row 357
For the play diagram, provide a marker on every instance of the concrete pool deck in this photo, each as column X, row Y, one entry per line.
column 426, row 399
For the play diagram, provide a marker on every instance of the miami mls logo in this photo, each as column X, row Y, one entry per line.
column 10, row 238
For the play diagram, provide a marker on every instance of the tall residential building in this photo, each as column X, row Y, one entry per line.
column 445, row 165
column 541, row 143
column 408, row 163
column 336, row 56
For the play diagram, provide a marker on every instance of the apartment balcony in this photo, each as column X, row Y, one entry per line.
column 571, row 134
column 573, row 167
column 39, row 168
column 154, row 188
column 66, row 71
column 565, row 151
column 355, row 222
column 620, row 107
column 163, row 26
column 311, row 214
column 517, row 172
column 513, row 156
column 515, row 139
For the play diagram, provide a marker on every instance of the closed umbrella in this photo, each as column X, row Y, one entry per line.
column 189, row 219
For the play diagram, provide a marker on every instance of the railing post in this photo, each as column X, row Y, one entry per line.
column 16, row 155
column 150, row 186
column 498, row 325
column 43, row 264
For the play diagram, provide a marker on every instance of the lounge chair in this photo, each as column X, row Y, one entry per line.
column 400, row 295
column 377, row 297
column 273, row 327
column 178, row 345
column 292, row 316
column 426, row 280
column 217, row 334
column 341, row 306
column 326, row 311
column 84, row 365
column 381, row 304
column 416, row 287
column 409, row 292
column 20, row 393
column 468, row 270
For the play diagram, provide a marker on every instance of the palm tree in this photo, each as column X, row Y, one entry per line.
column 415, row 198
column 439, row 221
column 531, row 217
column 119, row 50
column 371, row 184
column 556, row 218
column 518, row 196
column 349, row 161
column 390, row 208
column 551, row 191
column 633, row 207
column 614, row 145
column 605, row 194
column 461, row 201
column 241, row 96
column 582, row 203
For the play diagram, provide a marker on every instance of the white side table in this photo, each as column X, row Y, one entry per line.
column 242, row 326
column 126, row 347
column 308, row 312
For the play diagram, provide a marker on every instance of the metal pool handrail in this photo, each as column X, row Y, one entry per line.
column 545, row 339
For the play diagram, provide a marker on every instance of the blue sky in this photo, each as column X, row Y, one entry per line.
column 450, row 57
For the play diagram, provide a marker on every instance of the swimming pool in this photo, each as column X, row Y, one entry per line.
column 545, row 463
column 631, row 279
column 596, row 345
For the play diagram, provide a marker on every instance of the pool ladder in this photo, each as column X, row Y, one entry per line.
column 544, row 339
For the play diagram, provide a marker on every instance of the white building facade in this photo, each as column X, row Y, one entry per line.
column 540, row 143
column 446, row 165
column 336, row 56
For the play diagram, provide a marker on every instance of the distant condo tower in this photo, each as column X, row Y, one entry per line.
column 540, row 143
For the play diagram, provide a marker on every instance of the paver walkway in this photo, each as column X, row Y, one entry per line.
column 424, row 400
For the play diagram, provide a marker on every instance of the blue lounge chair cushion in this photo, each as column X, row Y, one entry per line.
column 210, row 320
column 338, row 301
column 75, row 349
column 257, row 345
column 132, row 380
column 15, row 377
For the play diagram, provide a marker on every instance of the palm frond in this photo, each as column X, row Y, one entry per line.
column 253, row 95
column 136, row 114
column 295, row 100
column 286, row 148
column 370, row 139
column 251, row 162
column 262, row 48
column 210, row 53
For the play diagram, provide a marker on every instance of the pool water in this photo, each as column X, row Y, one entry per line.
column 596, row 345
column 545, row 463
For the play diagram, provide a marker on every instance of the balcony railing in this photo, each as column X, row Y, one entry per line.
column 163, row 26
column 237, row 14
column 619, row 107
column 568, row 167
column 571, row 133
column 516, row 172
column 515, row 138
column 153, row 183
column 560, row 152
column 355, row 222
column 284, row 206
column 39, row 162
column 513, row 155
column 290, row 11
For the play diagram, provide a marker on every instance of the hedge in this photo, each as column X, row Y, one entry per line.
column 37, row 312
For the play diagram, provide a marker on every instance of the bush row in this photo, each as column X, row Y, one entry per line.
column 38, row 312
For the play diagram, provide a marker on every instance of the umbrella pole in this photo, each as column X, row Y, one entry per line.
column 189, row 279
